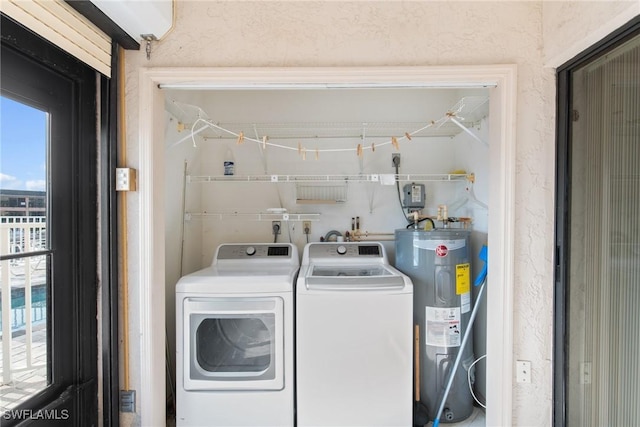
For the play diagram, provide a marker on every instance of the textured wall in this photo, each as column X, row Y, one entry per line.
column 569, row 27
column 400, row 33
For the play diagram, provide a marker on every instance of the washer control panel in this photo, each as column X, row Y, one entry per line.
column 345, row 249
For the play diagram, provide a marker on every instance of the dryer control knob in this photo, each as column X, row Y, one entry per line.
column 250, row 250
column 342, row 250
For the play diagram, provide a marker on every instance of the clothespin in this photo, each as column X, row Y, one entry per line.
column 406, row 134
column 180, row 126
column 359, row 150
column 317, row 154
column 373, row 147
column 240, row 137
column 394, row 142
column 264, row 142
column 304, row 153
column 299, row 148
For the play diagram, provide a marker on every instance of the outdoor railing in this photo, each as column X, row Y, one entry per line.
column 23, row 282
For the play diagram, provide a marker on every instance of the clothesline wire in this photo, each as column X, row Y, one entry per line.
column 449, row 115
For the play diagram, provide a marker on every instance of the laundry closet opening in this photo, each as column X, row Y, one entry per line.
column 297, row 164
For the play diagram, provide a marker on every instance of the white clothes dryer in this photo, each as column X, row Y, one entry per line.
column 354, row 315
column 235, row 338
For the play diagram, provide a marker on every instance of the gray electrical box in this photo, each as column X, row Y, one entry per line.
column 414, row 196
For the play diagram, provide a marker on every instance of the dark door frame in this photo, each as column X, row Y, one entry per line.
column 564, row 116
column 94, row 211
column 108, row 250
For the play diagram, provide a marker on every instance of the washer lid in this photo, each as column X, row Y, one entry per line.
column 355, row 277
column 349, row 271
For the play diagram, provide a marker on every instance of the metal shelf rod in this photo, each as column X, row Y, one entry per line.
column 328, row 178
column 258, row 216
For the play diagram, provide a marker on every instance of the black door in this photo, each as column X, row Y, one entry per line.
column 49, row 266
column 597, row 379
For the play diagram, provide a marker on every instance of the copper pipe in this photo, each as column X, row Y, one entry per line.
column 123, row 228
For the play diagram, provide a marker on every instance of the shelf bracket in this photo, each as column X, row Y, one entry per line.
column 468, row 131
column 372, row 193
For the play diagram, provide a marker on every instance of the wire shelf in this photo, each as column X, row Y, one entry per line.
column 256, row 216
column 384, row 179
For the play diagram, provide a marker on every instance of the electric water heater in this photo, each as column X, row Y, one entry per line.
column 438, row 263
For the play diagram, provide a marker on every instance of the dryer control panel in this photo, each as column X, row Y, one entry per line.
column 246, row 251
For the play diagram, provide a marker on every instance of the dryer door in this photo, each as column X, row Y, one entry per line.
column 233, row 343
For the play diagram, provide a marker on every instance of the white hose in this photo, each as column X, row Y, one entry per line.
column 469, row 380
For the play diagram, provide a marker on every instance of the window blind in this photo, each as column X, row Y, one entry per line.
column 60, row 24
column 604, row 294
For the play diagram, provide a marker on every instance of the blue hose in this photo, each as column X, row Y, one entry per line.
column 484, row 256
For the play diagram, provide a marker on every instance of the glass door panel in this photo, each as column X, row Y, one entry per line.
column 48, row 218
column 24, row 253
column 603, row 291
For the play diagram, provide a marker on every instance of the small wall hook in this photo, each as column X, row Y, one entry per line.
column 148, row 38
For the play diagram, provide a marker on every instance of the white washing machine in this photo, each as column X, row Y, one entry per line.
column 235, row 338
column 354, row 345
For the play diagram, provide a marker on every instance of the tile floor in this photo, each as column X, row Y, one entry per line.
column 25, row 383
column 477, row 419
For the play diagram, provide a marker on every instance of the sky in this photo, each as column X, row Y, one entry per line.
column 23, row 133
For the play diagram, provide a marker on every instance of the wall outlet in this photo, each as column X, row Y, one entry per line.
column 523, row 371
column 306, row 227
column 127, row 400
column 276, row 227
column 125, row 179
column 395, row 160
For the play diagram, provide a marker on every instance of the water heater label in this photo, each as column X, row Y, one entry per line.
column 465, row 302
column 442, row 326
column 433, row 245
column 463, row 281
